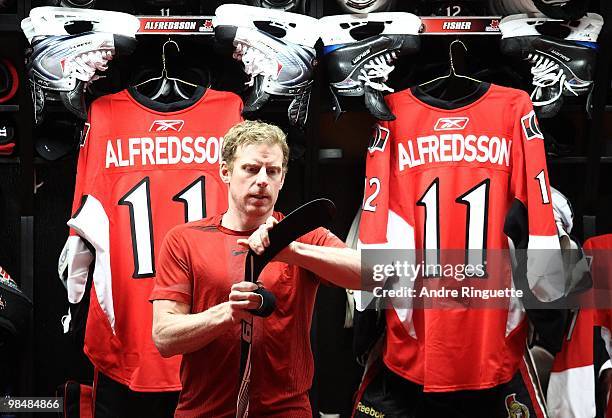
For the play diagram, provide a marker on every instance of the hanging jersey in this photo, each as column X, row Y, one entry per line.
column 571, row 387
column 440, row 179
column 142, row 171
column 598, row 249
column 571, row 390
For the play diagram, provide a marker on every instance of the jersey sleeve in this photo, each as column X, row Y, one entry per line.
column 73, row 267
column 75, row 258
column 530, row 186
column 87, row 166
column 90, row 220
column 88, row 215
column 375, row 206
column 380, row 226
column 173, row 280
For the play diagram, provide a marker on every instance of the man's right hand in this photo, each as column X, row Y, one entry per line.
column 241, row 299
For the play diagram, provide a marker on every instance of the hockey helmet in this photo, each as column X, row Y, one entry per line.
column 562, row 9
column 366, row 6
column 297, row 6
column 15, row 309
column 83, row 4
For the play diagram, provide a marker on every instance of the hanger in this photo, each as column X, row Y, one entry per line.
column 452, row 85
column 168, row 84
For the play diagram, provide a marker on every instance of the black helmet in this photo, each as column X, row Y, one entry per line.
column 562, row 9
column 15, row 309
column 366, row 6
column 296, row 6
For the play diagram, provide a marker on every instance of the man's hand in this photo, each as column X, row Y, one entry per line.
column 340, row 266
column 260, row 240
column 241, row 299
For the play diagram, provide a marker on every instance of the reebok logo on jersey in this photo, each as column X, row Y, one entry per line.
column 166, row 125
column 379, row 139
column 531, row 129
column 450, row 124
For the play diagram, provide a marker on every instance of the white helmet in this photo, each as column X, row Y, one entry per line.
column 366, row 6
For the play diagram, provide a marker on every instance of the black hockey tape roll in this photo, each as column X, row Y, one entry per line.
column 268, row 304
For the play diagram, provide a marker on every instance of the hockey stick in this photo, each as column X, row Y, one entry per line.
column 299, row 222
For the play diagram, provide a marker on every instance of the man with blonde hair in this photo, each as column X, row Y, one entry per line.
column 200, row 297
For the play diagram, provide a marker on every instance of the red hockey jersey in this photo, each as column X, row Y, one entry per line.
column 599, row 248
column 141, row 171
column 440, row 179
column 571, row 387
column 571, row 390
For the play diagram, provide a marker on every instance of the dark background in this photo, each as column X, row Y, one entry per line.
column 49, row 358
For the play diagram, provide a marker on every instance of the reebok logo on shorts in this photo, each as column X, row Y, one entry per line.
column 368, row 410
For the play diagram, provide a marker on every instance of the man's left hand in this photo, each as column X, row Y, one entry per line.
column 260, row 240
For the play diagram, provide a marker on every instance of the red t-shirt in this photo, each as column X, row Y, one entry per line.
column 198, row 264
